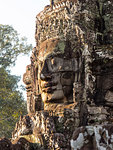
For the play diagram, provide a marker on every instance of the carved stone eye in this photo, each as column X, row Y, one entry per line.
column 67, row 75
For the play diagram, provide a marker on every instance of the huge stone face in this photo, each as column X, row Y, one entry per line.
column 70, row 79
column 57, row 66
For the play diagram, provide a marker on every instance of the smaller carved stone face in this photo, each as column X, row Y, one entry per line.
column 56, row 76
column 108, row 89
column 104, row 83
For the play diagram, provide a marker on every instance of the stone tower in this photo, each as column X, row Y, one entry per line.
column 52, row 2
column 70, row 79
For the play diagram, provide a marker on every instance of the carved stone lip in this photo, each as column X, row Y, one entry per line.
column 48, row 84
column 49, row 89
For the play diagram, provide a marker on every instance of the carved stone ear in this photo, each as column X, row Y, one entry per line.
column 27, row 76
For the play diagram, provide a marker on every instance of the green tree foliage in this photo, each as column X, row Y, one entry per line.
column 12, row 103
column 11, row 45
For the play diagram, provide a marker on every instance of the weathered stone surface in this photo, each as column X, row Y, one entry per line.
column 69, row 82
column 5, row 144
column 19, row 144
column 48, row 129
column 93, row 137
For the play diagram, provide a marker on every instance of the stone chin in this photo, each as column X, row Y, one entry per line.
column 55, row 97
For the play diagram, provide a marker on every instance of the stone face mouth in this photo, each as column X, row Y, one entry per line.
column 45, row 84
column 48, row 87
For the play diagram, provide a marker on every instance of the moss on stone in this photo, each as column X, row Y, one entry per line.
column 61, row 46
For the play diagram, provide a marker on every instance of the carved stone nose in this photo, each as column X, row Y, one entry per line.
column 45, row 76
column 42, row 76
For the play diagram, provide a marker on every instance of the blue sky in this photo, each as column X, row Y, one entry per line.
column 21, row 14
